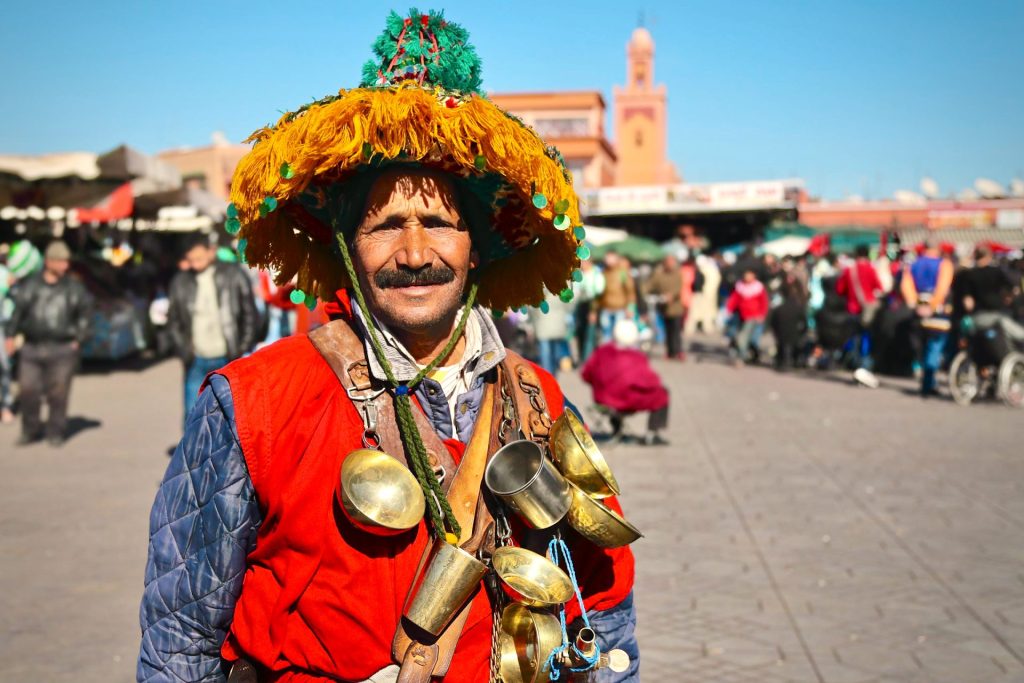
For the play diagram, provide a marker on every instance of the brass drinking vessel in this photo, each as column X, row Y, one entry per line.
column 598, row 523
column 531, row 579
column 379, row 494
column 527, row 639
column 443, row 585
column 579, row 459
column 524, row 478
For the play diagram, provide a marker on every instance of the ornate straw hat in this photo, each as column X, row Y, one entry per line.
column 419, row 104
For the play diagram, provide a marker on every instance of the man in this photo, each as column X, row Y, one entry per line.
column 925, row 286
column 257, row 565
column 618, row 300
column 212, row 317
column 52, row 311
column 6, row 306
column 666, row 285
column 587, row 290
column 749, row 300
column 704, row 305
column 860, row 284
column 987, row 294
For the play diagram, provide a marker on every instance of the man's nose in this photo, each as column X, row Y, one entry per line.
column 416, row 251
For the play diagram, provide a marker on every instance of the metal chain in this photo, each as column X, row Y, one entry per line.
column 502, row 537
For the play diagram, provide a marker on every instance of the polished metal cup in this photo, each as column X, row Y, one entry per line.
column 598, row 523
column 526, row 641
column 445, row 582
column 523, row 477
column 530, row 578
column 579, row 459
column 379, row 494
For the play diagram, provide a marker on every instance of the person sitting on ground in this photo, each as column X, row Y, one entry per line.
column 750, row 300
column 624, row 382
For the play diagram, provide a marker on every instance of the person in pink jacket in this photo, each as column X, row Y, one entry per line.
column 623, row 381
column 749, row 299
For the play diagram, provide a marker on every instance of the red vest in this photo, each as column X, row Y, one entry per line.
column 321, row 599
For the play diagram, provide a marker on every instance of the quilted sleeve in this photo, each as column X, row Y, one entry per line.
column 616, row 628
column 202, row 527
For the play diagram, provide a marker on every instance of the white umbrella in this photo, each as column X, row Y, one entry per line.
column 790, row 245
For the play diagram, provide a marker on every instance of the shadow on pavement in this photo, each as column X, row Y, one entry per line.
column 136, row 363
column 78, row 424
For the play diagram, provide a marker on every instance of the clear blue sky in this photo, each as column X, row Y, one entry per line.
column 856, row 97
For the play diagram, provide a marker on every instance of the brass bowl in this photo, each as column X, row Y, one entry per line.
column 598, row 523
column 579, row 459
column 526, row 640
column 379, row 494
column 531, row 579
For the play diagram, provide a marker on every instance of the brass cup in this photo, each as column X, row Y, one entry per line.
column 526, row 640
column 523, row 477
column 379, row 494
column 530, row 578
column 579, row 459
column 443, row 585
column 599, row 524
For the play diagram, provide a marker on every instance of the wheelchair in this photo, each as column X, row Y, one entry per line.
column 987, row 365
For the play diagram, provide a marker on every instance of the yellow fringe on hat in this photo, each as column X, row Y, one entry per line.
column 326, row 141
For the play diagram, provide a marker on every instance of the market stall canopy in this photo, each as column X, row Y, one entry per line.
column 790, row 245
column 639, row 249
column 63, row 165
column 148, row 205
column 597, row 236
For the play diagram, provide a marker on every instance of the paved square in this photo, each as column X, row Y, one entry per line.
column 797, row 529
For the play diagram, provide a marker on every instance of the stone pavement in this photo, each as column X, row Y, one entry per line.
column 797, row 529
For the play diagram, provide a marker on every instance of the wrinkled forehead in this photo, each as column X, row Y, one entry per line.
column 416, row 187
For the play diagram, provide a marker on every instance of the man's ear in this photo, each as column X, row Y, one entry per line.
column 474, row 259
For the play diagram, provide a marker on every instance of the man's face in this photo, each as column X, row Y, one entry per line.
column 57, row 266
column 412, row 251
column 749, row 276
column 199, row 258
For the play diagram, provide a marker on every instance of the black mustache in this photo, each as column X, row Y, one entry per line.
column 430, row 275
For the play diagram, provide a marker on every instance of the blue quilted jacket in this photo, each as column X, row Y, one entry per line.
column 203, row 526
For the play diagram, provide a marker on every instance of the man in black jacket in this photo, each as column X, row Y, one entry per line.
column 212, row 318
column 51, row 311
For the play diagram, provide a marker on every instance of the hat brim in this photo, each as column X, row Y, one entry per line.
column 325, row 143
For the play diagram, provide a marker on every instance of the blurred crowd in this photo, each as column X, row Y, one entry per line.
column 894, row 310
column 900, row 310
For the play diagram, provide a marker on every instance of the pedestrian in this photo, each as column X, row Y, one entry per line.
column 788, row 323
column 987, row 295
column 212, row 318
column 666, row 286
column 624, row 383
column 587, row 291
column 860, row 284
column 52, row 312
column 6, row 308
column 925, row 286
column 748, row 301
column 283, row 576
column 619, row 299
column 551, row 331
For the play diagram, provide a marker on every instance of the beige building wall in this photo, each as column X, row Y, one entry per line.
column 209, row 167
column 573, row 122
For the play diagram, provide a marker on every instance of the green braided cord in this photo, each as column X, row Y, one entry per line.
column 439, row 509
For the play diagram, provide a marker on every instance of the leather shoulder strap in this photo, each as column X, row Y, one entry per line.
column 527, row 393
column 344, row 352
